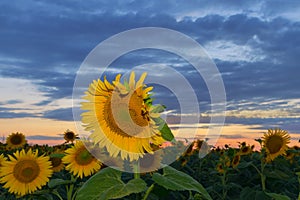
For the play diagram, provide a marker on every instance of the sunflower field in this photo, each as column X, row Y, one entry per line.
column 125, row 157
column 69, row 171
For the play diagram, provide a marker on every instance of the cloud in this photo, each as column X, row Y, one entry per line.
column 43, row 137
column 255, row 45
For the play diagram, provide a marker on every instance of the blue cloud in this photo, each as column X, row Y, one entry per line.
column 46, row 42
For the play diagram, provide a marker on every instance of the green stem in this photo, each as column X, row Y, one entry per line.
column 224, row 185
column 57, row 194
column 148, row 192
column 262, row 176
column 136, row 170
column 70, row 189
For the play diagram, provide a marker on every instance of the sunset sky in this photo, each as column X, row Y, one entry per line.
column 254, row 44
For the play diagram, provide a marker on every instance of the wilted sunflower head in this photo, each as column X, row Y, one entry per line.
column 15, row 140
column 275, row 142
column 70, row 136
column 121, row 117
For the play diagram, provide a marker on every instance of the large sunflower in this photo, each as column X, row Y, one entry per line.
column 121, row 117
column 275, row 143
column 2, row 159
column 80, row 161
column 25, row 172
column 15, row 140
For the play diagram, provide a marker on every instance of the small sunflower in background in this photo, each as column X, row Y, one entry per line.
column 24, row 173
column 57, row 164
column 80, row 161
column 2, row 159
column 122, row 117
column 15, row 140
column 150, row 162
column 70, row 136
column 220, row 168
column 245, row 150
column 275, row 142
column 236, row 161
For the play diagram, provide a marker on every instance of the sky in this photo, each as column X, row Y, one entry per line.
column 254, row 44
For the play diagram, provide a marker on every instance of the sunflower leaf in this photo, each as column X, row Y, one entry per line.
column 57, row 155
column 56, row 182
column 166, row 132
column 107, row 184
column 277, row 196
column 158, row 108
column 173, row 179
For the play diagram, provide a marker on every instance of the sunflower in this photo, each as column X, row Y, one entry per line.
column 70, row 136
column 15, row 140
column 150, row 162
column 245, row 150
column 2, row 159
column 220, row 168
column 275, row 142
column 25, row 172
column 236, row 160
column 121, row 117
column 80, row 161
column 57, row 164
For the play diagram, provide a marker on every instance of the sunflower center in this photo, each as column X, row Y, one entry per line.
column 55, row 161
column 16, row 139
column 84, row 157
column 274, row 144
column 245, row 149
column 26, row 171
column 126, row 115
column 70, row 135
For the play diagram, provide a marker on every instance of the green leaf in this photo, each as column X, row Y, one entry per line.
column 57, row 155
column 55, row 182
column 277, row 174
column 107, row 184
column 173, row 179
column 243, row 165
column 247, row 194
column 158, row 108
column 166, row 133
column 277, row 196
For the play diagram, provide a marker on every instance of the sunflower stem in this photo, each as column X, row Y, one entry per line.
column 136, row 170
column 148, row 192
column 262, row 176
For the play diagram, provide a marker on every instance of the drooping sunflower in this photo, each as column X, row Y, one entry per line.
column 275, row 142
column 70, row 136
column 121, row 117
column 236, row 160
column 80, row 161
column 25, row 172
column 15, row 140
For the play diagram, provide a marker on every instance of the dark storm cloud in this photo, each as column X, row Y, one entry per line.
column 46, row 41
